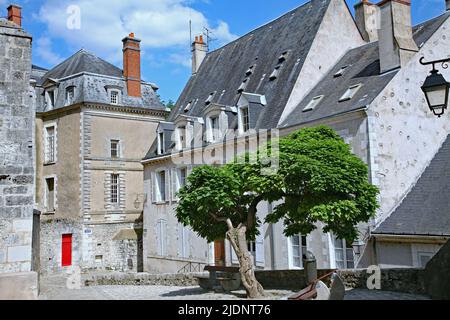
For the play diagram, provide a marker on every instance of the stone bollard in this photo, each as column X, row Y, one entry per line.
column 310, row 266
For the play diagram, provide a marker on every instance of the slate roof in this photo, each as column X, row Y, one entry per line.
column 223, row 70
column 426, row 209
column 82, row 61
column 94, row 76
column 363, row 68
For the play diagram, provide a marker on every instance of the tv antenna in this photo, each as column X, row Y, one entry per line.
column 208, row 34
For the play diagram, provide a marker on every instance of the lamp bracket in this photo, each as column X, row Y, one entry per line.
column 444, row 63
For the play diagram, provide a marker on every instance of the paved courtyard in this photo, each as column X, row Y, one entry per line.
column 55, row 289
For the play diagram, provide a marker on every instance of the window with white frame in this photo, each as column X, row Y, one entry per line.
column 160, row 189
column 244, row 123
column 161, row 143
column 114, row 189
column 179, row 177
column 50, row 199
column 214, row 133
column 114, row 96
column 115, row 149
column 70, row 95
column 350, row 93
column 183, row 242
column 298, row 248
column 161, row 237
column 50, row 98
column 181, row 134
column 344, row 255
column 50, row 144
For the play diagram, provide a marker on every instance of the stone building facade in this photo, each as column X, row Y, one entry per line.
column 17, row 277
column 368, row 91
column 94, row 123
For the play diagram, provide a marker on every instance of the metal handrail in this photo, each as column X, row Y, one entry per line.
column 192, row 267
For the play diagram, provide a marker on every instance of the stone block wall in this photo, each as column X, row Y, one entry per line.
column 16, row 150
column 108, row 247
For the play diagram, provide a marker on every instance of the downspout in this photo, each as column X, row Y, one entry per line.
column 272, row 241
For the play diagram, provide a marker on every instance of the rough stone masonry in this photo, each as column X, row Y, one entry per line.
column 16, row 164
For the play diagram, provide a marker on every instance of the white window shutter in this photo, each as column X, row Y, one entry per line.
column 167, row 186
column 154, row 186
column 175, row 183
column 260, row 248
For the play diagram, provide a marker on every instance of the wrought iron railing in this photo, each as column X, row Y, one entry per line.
column 192, row 267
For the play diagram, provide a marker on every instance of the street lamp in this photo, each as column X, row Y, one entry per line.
column 436, row 88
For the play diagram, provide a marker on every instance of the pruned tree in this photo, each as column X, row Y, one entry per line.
column 319, row 179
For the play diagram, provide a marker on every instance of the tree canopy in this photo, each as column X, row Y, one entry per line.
column 319, row 180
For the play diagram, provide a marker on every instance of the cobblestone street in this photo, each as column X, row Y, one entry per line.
column 55, row 288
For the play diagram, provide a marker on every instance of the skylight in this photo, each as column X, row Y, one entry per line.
column 275, row 73
column 250, row 71
column 243, row 86
column 350, row 93
column 210, row 98
column 188, row 107
column 313, row 103
column 340, row 72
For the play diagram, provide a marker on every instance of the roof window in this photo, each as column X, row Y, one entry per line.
column 350, row 93
column 188, row 107
column 340, row 72
column 243, row 85
column 313, row 103
column 210, row 98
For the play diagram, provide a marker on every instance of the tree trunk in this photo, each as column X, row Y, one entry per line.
column 238, row 240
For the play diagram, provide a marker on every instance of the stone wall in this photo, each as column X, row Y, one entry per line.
column 113, row 247
column 143, row 279
column 51, row 231
column 16, row 162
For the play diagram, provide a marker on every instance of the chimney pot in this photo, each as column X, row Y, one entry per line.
column 15, row 14
column 201, row 39
column 132, row 65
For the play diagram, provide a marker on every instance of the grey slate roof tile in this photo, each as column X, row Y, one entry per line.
column 225, row 68
column 363, row 67
column 426, row 209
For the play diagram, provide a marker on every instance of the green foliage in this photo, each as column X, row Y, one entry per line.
column 319, row 179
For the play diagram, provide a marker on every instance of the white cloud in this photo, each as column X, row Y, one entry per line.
column 45, row 52
column 158, row 23
column 182, row 59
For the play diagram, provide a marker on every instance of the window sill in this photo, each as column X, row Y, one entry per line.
column 161, row 203
column 48, row 213
column 49, row 163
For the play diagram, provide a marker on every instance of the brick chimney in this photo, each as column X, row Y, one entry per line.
column 367, row 16
column 199, row 51
column 132, row 64
column 15, row 14
column 395, row 36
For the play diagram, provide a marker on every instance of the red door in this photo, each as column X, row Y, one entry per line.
column 219, row 253
column 66, row 250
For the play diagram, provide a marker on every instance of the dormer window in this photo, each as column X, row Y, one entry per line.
column 213, row 128
column 244, row 123
column 114, row 96
column 313, row 103
column 50, row 99
column 70, row 95
column 181, row 135
column 161, row 143
column 340, row 72
column 350, row 93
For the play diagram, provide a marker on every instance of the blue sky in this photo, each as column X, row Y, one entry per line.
column 163, row 26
